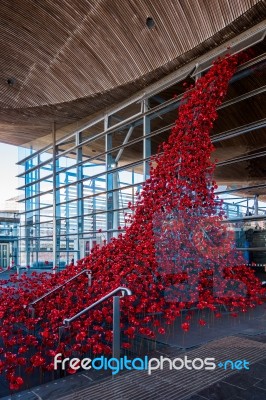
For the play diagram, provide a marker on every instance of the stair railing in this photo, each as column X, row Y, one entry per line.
column 31, row 305
column 116, row 317
column 8, row 270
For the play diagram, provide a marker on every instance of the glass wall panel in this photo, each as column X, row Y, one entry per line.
column 99, row 171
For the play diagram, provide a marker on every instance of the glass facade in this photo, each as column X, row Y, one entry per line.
column 77, row 189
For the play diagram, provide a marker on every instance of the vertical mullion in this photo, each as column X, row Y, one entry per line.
column 109, row 181
column 80, row 208
column 56, row 202
column 28, row 210
column 37, row 211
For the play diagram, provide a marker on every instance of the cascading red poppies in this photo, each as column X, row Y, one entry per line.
column 175, row 253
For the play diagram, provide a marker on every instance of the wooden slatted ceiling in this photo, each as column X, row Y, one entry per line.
column 60, row 50
column 73, row 58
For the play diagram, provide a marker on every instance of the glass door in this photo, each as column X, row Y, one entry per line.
column 4, row 255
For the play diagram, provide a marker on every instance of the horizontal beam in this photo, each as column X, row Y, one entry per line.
column 251, row 36
column 241, row 130
column 241, row 159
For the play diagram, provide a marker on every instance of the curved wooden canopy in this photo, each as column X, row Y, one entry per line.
column 61, row 60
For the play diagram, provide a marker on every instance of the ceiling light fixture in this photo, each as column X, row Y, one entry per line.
column 150, row 22
column 11, row 81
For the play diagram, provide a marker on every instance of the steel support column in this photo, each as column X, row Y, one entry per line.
column 28, row 211
column 110, row 163
column 256, row 205
column 146, row 141
column 37, row 211
column 115, row 202
column 56, row 202
column 67, row 225
column 80, row 208
column 94, row 222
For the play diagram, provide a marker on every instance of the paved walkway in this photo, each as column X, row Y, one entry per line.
column 222, row 383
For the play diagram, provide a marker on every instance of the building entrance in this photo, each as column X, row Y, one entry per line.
column 4, row 255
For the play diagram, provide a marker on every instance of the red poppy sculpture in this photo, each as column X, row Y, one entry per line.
column 174, row 254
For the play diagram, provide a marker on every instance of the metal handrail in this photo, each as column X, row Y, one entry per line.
column 67, row 321
column 89, row 275
column 10, row 270
column 7, row 270
column 116, row 317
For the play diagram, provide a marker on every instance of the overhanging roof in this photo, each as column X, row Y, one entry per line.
column 63, row 60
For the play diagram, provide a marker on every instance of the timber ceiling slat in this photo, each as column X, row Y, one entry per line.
column 50, row 33
column 72, row 58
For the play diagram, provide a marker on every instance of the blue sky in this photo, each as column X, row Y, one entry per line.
column 8, row 171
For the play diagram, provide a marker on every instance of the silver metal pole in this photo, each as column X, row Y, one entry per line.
column 124, row 142
column 80, row 205
column 31, row 310
column 116, row 327
column 115, row 204
column 256, row 204
column 89, row 278
column 146, row 141
column 54, row 200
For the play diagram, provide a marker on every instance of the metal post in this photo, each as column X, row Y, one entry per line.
column 109, row 182
column 125, row 141
column 31, row 311
column 116, row 327
column 28, row 210
column 115, row 203
column 94, row 222
column 67, row 226
column 146, row 141
column 89, row 278
column 56, row 207
column 256, row 205
column 80, row 210
column 37, row 212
